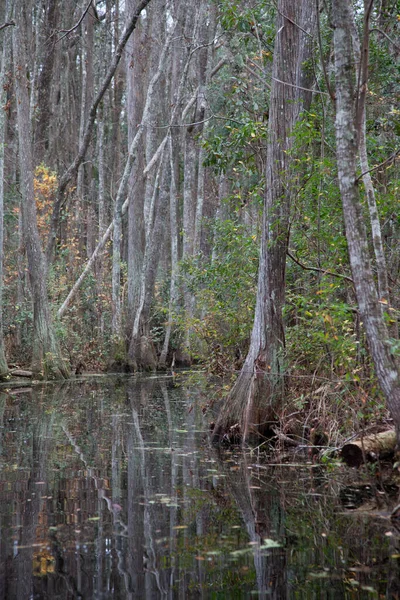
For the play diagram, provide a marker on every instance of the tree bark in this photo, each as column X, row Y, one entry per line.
column 377, row 241
column 46, row 355
column 258, row 393
column 371, row 313
column 72, row 170
column 51, row 18
column 136, row 83
column 4, row 59
column 370, row 447
column 173, row 220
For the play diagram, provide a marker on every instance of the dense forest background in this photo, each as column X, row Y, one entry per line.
column 146, row 158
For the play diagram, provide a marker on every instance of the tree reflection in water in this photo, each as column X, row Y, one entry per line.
column 109, row 489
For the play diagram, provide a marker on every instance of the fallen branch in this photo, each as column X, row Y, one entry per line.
column 371, row 447
column 286, row 439
column 20, row 373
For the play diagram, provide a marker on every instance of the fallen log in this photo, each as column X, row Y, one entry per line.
column 21, row 373
column 377, row 445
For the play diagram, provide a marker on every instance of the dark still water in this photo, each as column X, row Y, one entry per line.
column 109, row 489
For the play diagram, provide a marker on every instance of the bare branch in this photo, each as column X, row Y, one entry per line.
column 218, row 66
column 382, row 164
column 299, row 87
column 386, row 36
column 7, row 24
column 318, row 270
column 68, row 31
column 295, row 24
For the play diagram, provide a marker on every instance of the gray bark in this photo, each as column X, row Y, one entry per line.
column 136, row 80
column 4, row 60
column 371, row 313
column 72, row 170
column 51, row 17
column 200, row 30
column 377, row 242
column 46, row 356
column 173, row 219
column 141, row 350
column 151, row 95
column 258, row 393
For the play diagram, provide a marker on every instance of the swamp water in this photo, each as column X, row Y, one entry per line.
column 109, row 489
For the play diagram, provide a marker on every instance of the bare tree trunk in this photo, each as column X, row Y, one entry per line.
column 201, row 31
column 259, row 390
column 148, row 111
column 141, row 349
column 101, row 202
column 377, row 242
column 46, row 356
column 51, row 18
column 4, row 60
column 136, row 80
column 347, row 140
column 173, row 220
column 72, row 170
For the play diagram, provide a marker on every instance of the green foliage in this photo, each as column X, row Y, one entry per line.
column 321, row 331
column 225, row 287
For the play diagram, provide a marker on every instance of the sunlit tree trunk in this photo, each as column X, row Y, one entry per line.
column 259, row 390
column 46, row 356
column 347, row 139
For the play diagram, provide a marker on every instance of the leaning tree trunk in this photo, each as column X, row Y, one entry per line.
column 371, row 313
column 46, row 355
column 259, row 390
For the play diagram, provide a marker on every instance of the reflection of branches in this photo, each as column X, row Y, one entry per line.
column 98, row 481
column 147, row 516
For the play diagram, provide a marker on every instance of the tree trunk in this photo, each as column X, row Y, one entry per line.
column 199, row 27
column 377, row 242
column 141, row 349
column 72, row 170
column 347, row 136
column 51, row 18
column 258, row 393
column 4, row 59
column 46, row 356
column 136, row 80
column 173, row 220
